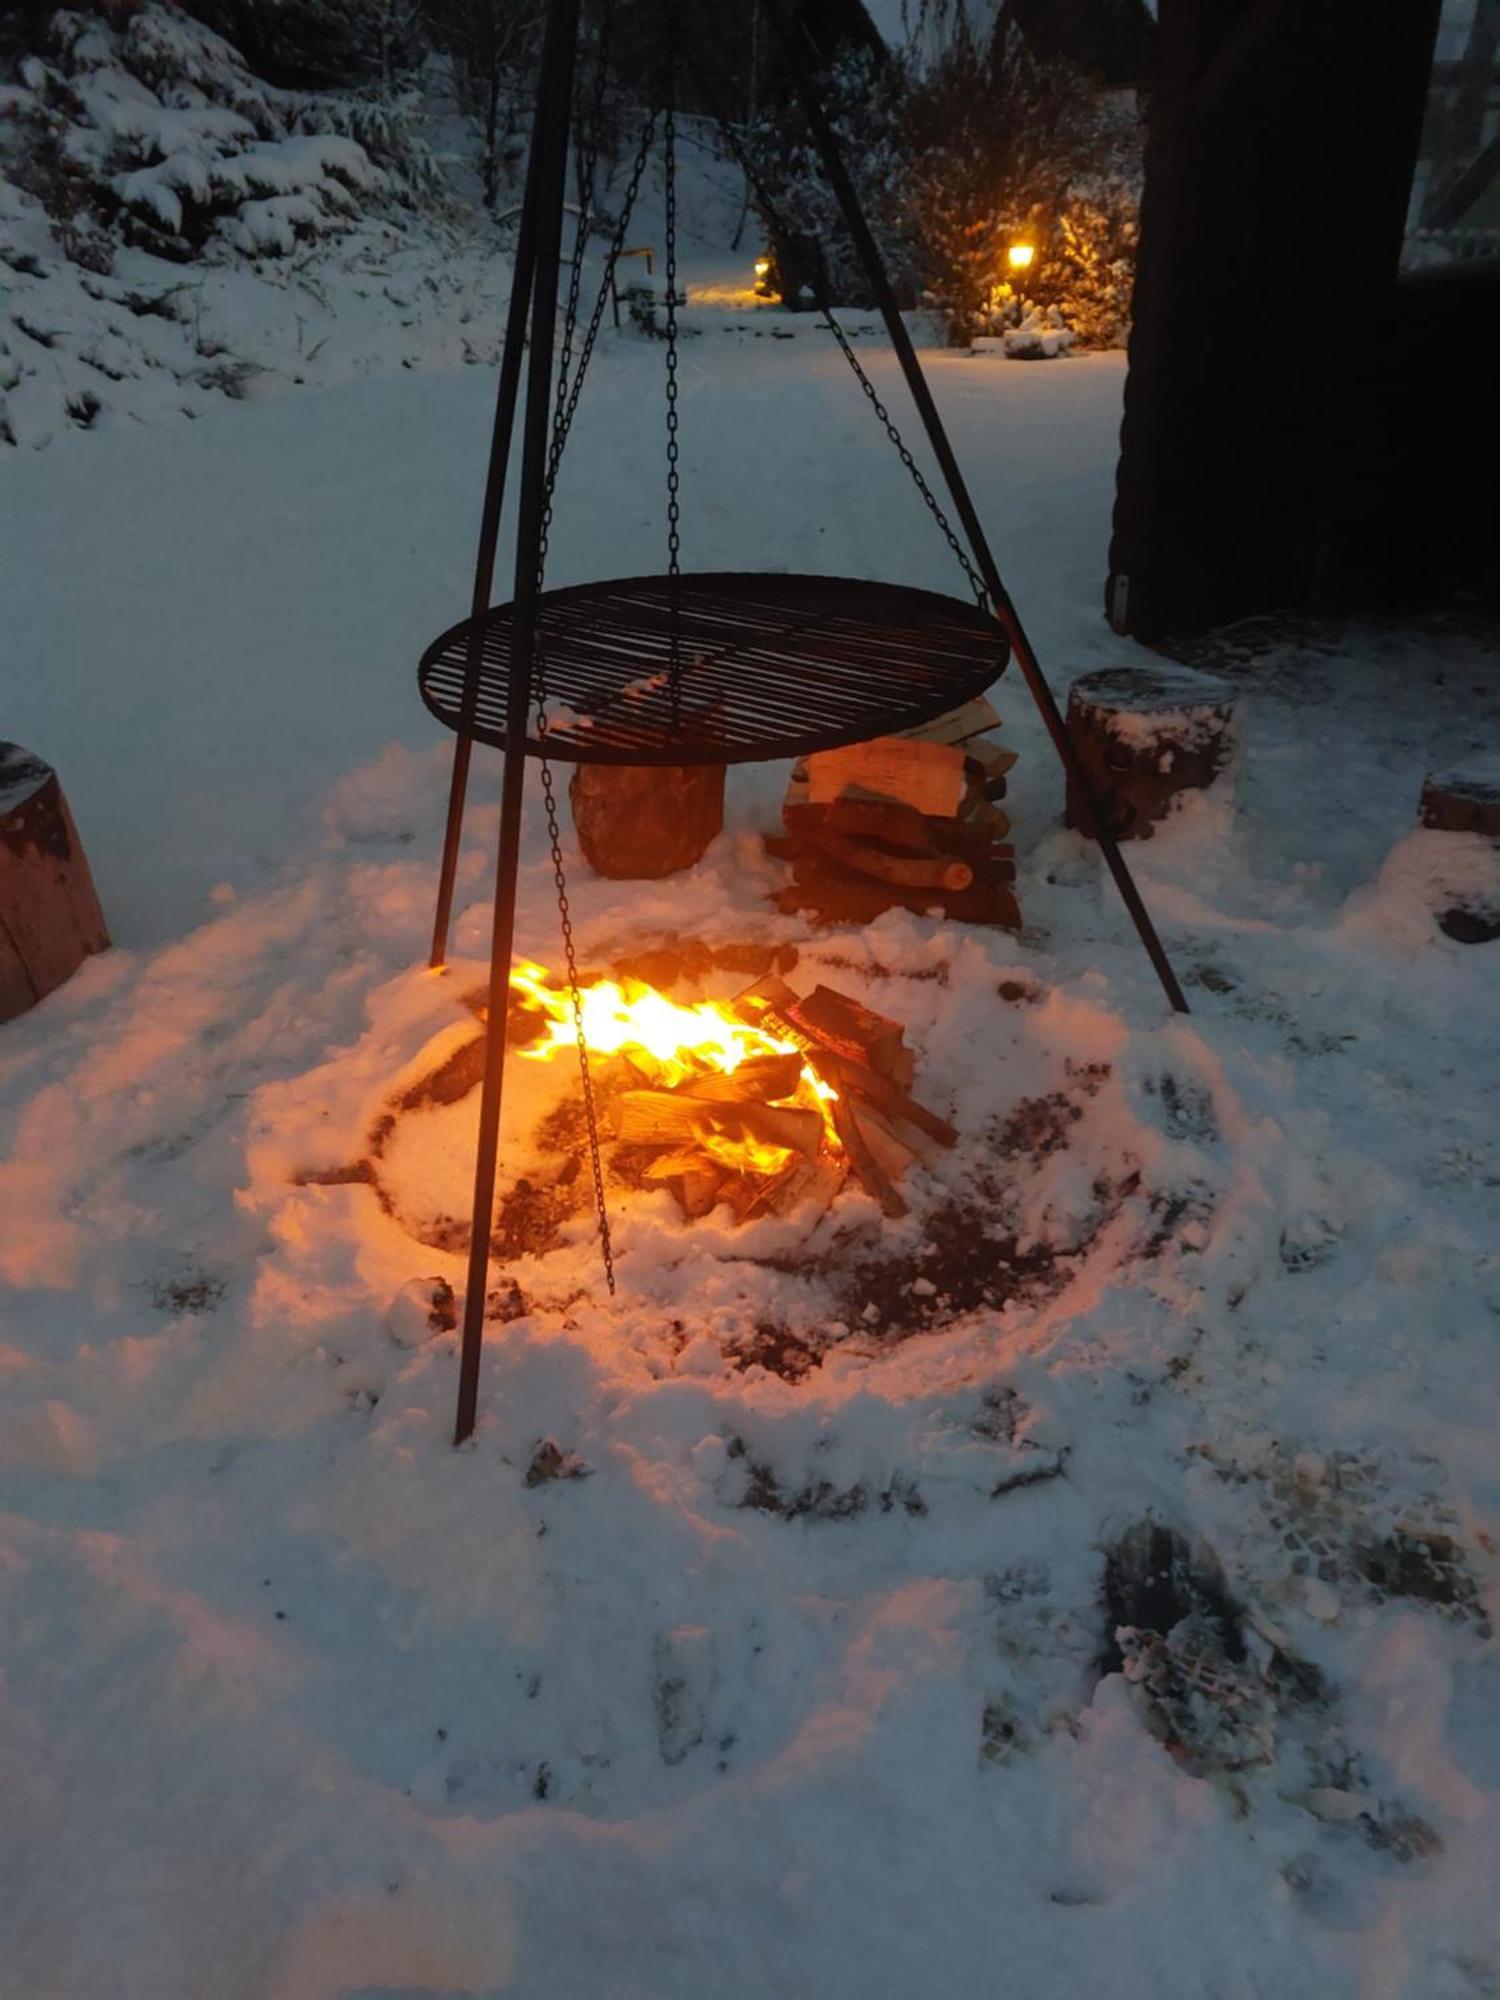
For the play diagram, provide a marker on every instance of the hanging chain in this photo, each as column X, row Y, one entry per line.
column 674, row 452
column 569, row 388
column 903, row 450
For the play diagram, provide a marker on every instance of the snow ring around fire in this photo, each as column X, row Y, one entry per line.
column 1083, row 1152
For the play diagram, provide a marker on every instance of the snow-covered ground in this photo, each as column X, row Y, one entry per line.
column 810, row 1686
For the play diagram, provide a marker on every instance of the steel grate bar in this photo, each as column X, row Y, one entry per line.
column 771, row 666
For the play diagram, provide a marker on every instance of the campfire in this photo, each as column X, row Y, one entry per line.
column 766, row 1101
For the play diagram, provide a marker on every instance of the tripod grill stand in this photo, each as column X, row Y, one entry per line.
column 684, row 669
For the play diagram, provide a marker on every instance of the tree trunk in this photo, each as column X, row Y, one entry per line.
column 1145, row 736
column 49, row 915
column 492, row 138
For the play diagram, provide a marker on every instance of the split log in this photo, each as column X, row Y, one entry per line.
column 905, row 871
column 929, row 776
column 981, row 814
column 781, row 846
column 50, row 920
column 638, row 822
column 969, row 838
column 758, row 1080
column 1146, row 735
column 995, row 761
column 672, row 1166
column 830, row 894
column 698, row 1190
column 770, row 1003
column 804, row 1182
column 971, row 718
column 892, row 1101
column 695, row 1177
column 863, row 1162
column 891, row 1154
column 901, row 828
column 669, row 1118
column 844, row 1025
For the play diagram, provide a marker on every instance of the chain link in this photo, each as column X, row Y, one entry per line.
column 564, row 409
column 903, row 450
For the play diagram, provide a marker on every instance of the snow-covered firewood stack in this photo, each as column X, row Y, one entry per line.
column 911, row 822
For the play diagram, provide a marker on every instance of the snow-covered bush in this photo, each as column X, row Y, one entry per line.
column 174, row 229
column 866, row 99
column 957, row 156
column 154, row 132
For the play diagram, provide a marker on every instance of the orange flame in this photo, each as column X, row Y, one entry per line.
column 685, row 1041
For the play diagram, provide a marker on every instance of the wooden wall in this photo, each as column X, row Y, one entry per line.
column 1269, row 404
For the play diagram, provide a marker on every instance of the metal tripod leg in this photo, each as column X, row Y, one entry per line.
column 484, row 565
column 795, row 40
column 545, row 191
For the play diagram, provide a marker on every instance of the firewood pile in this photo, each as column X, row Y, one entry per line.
column 785, row 1127
column 910, row 822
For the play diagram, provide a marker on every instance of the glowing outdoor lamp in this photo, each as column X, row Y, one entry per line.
column 762, row 267
column 1021, row 256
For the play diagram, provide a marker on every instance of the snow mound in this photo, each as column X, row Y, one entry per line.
column 174, row 230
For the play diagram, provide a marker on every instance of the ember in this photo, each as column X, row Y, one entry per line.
column 764, row 1101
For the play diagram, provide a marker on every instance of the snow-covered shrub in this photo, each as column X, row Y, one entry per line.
column 865, row 97
column 1089, row 272
column 154, row 132
column 957, row 156
column 175, row 230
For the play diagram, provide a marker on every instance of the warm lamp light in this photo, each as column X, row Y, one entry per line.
column 762, row 267
column 1021, row 256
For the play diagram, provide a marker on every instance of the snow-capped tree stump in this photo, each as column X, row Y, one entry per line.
column 1467, row 802
column 640, row 821
column 50, row 919
column 1463, row 802
column 1146, row 735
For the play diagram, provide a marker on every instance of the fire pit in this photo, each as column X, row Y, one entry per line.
column 765, row 1101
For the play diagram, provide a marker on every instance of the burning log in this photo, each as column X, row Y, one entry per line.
column 772, row 1004
column 668, row 1117
column 758, row 1080
column 765, row 1104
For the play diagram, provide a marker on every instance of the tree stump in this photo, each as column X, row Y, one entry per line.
column 50, row 919
column 637, row 822
column 1468, row 802
column 1145, row 735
